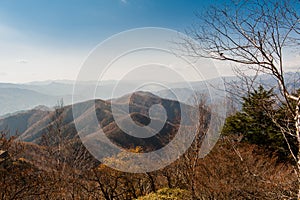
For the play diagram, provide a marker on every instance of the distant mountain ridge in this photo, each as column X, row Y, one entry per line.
column 33, row 124
column 16, row 97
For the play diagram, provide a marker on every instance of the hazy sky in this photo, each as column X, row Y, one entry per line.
column 42, row 40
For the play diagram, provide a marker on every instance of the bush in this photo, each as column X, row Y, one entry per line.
column 167, row 194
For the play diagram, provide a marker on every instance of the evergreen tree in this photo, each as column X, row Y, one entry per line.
column 255, row 122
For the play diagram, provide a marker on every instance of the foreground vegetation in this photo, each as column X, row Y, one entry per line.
column 233, row 170
column 250, row 161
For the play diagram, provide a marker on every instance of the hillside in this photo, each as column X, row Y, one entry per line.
column 18, row 123
column 53, row 162
column 31, row 125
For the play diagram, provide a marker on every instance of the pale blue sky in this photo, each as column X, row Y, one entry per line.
column 42, row 40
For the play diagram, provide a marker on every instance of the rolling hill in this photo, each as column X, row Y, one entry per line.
column 31, row 125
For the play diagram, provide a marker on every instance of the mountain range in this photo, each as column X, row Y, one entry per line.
column 19, row 97
column 32, row 125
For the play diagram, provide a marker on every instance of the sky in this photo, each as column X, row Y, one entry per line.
column 43, row 40
column 50, row 40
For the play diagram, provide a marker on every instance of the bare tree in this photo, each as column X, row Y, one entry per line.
column 258, row 34
column 66, row 156
column 183, row 172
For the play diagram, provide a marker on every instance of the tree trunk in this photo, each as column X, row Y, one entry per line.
column 297, row 124
column 152, row 182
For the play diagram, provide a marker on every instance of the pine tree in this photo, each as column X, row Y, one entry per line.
column 255, row 121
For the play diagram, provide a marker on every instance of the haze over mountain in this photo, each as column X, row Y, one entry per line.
column 18, row 97
column 33, row 124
